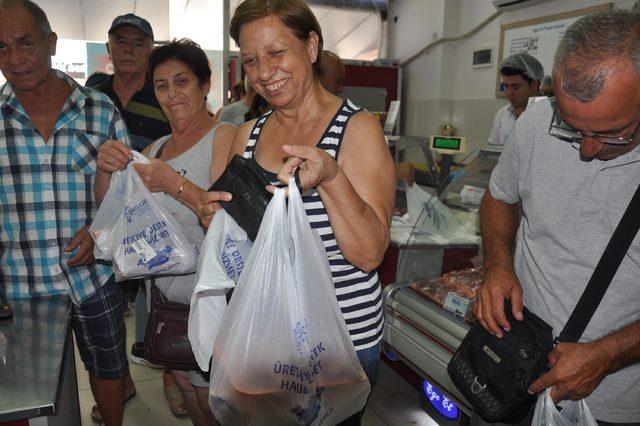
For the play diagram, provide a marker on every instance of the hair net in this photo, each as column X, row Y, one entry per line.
column 529, row 65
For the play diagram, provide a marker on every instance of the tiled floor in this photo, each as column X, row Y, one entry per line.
column 393, row 401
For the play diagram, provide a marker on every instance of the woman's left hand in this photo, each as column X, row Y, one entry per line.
column 316, row 166
column 209, row 205
column 158, row 176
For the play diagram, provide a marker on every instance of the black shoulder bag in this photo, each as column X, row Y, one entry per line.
column 494, row 374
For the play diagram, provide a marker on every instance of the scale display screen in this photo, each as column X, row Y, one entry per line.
column 440, row 142
column 448, row 144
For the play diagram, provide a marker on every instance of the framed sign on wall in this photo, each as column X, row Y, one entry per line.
column 538, row 37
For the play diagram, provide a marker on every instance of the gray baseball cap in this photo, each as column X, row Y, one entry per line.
column 131, row 20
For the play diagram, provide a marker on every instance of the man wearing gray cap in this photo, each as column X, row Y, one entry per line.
column 130, row 88
column 521, row 75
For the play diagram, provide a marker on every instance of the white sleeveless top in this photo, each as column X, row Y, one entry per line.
column 195, row 165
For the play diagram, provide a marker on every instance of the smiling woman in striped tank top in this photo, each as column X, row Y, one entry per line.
column 345, row 166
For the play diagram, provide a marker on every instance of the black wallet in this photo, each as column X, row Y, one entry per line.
column 246, row 181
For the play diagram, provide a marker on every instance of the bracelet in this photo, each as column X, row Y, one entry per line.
column 184, row 180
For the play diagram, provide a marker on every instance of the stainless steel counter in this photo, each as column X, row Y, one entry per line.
column 37, row 359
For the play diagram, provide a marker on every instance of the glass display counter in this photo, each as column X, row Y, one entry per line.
column 429, row 307
column 436, row 229
column 414, row 150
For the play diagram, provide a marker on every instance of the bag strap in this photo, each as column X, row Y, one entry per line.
column 159, row 151
column 606, row 269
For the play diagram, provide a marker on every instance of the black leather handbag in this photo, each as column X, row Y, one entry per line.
column 246, row 181
column 494, row 374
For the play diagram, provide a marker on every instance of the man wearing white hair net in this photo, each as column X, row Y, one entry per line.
column 521, row 75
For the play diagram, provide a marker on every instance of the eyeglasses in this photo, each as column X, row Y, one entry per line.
column 563, row 131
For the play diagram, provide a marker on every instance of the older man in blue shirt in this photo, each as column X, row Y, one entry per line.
column 51, row 129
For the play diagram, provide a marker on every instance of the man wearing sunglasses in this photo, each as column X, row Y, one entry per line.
column 521, row 75
column 573, row 163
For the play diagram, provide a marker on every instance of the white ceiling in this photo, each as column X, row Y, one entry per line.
column 350, row 33
column 91, row 19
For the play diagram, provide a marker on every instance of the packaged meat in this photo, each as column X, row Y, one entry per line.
column 454, row 291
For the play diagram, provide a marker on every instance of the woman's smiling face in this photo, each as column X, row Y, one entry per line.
column 278, row 64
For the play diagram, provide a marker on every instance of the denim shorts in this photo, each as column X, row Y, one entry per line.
column 98, row 325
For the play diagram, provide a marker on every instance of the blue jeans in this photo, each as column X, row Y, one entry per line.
column 370, row 361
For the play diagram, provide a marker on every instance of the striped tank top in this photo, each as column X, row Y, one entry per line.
column 359, row 294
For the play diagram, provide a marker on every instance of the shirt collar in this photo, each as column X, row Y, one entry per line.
column 632, row 156
column 147, row 89
column 78, row 96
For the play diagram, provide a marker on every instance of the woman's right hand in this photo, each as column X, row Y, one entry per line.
column 209, row 205
column 113, row 156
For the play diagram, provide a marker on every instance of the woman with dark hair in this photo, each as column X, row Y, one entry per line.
column 183, row 164
column 345, row 166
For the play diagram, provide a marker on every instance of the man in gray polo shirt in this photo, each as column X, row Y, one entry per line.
column 574, row 165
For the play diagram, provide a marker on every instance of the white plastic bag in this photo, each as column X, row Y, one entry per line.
column 223, row 255
column 574, row 413
column 145, row 239
column 104, row 223
column 283, row 354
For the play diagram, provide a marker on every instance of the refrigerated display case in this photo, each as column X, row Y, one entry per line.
column 429, row 308
column 431, row 252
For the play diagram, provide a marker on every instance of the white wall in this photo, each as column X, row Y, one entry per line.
column 91, row 19
column 200, row 20
column 348, row 32
column 441, row 87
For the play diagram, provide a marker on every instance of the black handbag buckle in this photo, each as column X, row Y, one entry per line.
column 477, row 387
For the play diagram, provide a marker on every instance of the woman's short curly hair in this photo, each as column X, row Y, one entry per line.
column 186, row 51
column 294, row 14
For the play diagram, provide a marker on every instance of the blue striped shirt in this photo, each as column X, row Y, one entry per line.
column 46, row 192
